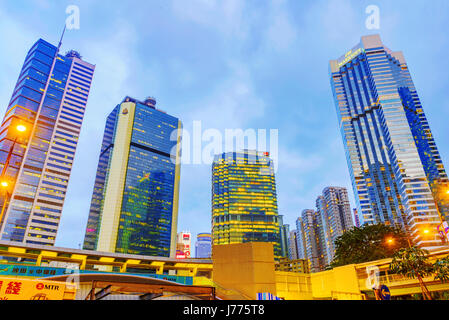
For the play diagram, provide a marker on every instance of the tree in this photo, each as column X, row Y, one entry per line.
column 413, row 263
column 368, row 243
column 441, row 269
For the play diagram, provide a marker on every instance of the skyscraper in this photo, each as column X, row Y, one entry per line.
column 284, row 230
column 334, row 212
column 356, row 218
column 312, row 245
column 134, row 206
column 397, row 173
column 39, row 137
column 203, row 245
column 293, row 245
column 244, row 201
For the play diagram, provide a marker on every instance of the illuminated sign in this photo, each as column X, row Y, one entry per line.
column 43, row 272
column 26, row 289
column 349, row 56
column 385, row 293
column 443, row 230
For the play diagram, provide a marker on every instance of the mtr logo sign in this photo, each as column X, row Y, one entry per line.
column 41, row 286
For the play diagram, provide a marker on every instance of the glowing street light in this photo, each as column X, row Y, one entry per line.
column 21, row 128
column 4, row 184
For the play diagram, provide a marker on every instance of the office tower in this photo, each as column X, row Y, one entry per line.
column 396, row 170
column 293, row 245
column 244, row 201
column 39, row 137
column 311, row 245
column 203, row 246
column 334, row 212
column 134, row 206
column 284, row 230
column 183, row 245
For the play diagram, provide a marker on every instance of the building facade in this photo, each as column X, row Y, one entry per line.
column 356, row 218
column 203, row 246
column 134, row 206
column 38, row 141
column 334, row 214
column 183, row 245
column 284, row 231
column 311, row 245
column 244, row 200
column 293, row 245
column 397, row 173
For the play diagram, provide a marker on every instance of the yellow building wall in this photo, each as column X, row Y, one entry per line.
column 247, row 268
column 341, row 283
column 293, row 285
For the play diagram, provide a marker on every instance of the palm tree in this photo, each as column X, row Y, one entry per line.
column 413, row 263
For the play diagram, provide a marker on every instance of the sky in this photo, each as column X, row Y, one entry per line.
column 249, row 64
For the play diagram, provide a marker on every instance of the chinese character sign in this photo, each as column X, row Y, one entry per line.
column 26, row 289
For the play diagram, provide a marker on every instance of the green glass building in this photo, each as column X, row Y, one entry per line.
column 244, row 201
column 134, row 205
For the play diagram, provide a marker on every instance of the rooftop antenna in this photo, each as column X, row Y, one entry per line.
column 62, row 36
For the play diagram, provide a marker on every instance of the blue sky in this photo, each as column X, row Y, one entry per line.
column 231, row 64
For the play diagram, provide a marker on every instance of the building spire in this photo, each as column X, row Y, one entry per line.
column 62, row 36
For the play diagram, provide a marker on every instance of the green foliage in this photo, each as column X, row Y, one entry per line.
column 441, row 269
column 368, row 243
column 412, row 263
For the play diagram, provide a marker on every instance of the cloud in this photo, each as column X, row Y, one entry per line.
column 225, row 17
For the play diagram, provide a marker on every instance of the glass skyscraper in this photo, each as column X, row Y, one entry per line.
column 284, row 230
column 203, row 245
column 134, row 206
column 48, row 105
column 397, row 173
column 244, row 200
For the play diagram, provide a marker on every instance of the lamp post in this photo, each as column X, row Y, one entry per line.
column 3, row 183
column 390, row 242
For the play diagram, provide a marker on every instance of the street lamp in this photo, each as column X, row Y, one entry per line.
column 4, row 184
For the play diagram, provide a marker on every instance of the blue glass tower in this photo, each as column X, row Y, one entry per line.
column 397, row 173
column 48, row 105
column 203, row 245
column 134, row 203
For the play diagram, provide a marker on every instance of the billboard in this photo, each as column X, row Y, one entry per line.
column 43, row 272
column 27, row 289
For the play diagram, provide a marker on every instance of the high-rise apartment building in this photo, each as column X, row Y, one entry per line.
column 134, row 206
column 203, row 245
column 244, row 201
column 334, row 211
column 397, row 173
column 356, row 218
column 38, row 140
column 293, row 245
column 311, row 245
